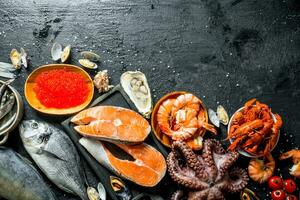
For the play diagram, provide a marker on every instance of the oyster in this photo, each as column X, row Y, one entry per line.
column 213, row 117
column 56, row 51
column 23, row 57
column 101, row 81
column 136, row 87
column 222, row 115
column 15, row 58
column 90, row 56
column 66, row 53
column 88, row 64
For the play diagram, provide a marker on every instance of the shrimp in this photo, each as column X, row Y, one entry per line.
column 261, row 170
column 295, row 155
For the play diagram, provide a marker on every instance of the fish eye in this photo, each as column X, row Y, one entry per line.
column 34, row 125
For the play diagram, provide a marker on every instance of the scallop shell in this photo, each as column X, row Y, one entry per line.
column 66, row 53
column 56, row 51
column 90, row 56
column 222, row 115
column 136, row 87
column 15, row 58
column 101, row 191
column 23, row 57
column 88, row 64
column 213, row 117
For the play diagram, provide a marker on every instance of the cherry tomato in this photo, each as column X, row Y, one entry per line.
column 291, row 197
column 278, row 195
column 289, row 185
column 275, row 183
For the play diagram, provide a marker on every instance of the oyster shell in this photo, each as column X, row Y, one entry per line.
column 66, row 53
column 15, row 58
column 136, row 87
column 101, row 81
column 88, row 64
column 222, row 115
column 213, row 117
column 56, row 51
column 90, row 56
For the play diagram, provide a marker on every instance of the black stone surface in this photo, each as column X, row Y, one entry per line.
column 224, row 51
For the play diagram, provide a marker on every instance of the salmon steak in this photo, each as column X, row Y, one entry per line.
column 147, row 168
column 114, row 124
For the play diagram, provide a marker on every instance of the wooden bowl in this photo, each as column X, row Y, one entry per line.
column 241, row 151
column 33, row 101
column 18, row 108
column 163, row 138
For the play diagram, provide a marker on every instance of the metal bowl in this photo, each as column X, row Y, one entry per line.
column 18, row 108
column 244, row 153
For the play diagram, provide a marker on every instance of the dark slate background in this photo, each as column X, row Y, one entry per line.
column 224, row 51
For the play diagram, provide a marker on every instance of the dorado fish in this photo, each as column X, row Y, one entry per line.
column 146, row 168
column 19, row 180
column 54, row 153
column 110, row 123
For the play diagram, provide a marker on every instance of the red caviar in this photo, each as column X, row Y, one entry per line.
column 61, row 88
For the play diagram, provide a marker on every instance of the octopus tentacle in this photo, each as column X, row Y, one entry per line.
column 225, row 163
column 198, row 195
column 239, row 182
column 189, row 155
column 177, row 195
column 187, row 179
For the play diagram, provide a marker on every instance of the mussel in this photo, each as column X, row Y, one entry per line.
column 119, row 187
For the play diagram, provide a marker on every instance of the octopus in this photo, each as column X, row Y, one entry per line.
column 205, row 175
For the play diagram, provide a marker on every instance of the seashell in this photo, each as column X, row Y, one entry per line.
column 213, row 117
column 65, row 54
column 90, row 56
column 15, row 58
column 93, row 194
column 119, row 188
column 136, row 87
column 101, row 191
column 56, row 51
column 88, row 64
column 222, row 115
column 247, row 194
column 101, row 81
column 23, row 57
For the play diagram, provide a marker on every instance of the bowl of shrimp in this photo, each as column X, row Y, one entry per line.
column 253, row 130
column 180, row 116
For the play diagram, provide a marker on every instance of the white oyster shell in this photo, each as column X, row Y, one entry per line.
column 136, row 87
column 56, row 51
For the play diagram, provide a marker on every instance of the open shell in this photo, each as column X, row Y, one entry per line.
column 23, row 57
column 90, row 56
column 93, row 194
column 222, row 115
column 15, row 58
column 88, row 64
column 56, row 51
column 136, row 87
column 101, row 191
column 213, row 117
column 66, row 53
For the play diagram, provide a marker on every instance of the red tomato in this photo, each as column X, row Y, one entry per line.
column 289, row 185
column 275, row 183
column 278, row 195
column 291, row 197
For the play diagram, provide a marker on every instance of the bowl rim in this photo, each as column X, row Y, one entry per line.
column 19, row 112
column 159, row 102
column 242, row 152
column 59, row 65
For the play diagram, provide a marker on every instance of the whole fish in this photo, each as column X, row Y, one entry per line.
column 54, row 153
column 19, row 180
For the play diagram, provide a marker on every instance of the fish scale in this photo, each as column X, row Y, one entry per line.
column 55, row 156
column 20, row 180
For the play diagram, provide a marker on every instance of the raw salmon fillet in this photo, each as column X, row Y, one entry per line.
column 147, row 170
column 112, row 123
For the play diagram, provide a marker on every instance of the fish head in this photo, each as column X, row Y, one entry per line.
column 35, row 133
